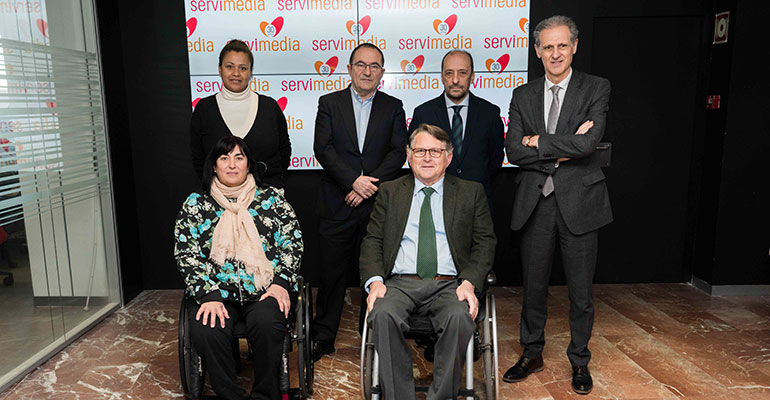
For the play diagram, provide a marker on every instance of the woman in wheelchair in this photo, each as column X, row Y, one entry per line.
column 238, row 246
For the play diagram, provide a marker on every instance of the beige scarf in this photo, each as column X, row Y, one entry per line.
column 235, row 235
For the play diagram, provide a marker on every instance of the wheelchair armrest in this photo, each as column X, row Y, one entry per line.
column 492, row 278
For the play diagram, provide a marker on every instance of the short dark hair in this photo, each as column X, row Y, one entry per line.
column 237, row 46
column 369, row 45
column 434, row 131
column 224, row 146
column 552, row 22
column 456, row 51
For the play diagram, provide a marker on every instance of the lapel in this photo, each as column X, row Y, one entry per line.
column 450, row 196
column 349, row 119
column 570, row 100
column 402, row 203
column 377, row 114
column 439, row 109
column 537, row 105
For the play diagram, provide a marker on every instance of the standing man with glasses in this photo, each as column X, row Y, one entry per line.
column 473, row 124
column 360, row 136
column 561, row 197
column 427, row 250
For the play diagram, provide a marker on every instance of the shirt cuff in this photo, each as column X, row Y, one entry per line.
column 370, row 280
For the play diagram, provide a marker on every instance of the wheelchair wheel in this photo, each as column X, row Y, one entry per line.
column 305, row 367
column 490, row 359
column 367, row 361
column 190, row 366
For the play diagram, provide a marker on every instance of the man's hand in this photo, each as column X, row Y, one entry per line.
column 532, row 141
column 214, row 310
column 364, row 186
column 281, row 296
column 585, row 127
column 377, row 290
column 353, row 199
column 465, row 293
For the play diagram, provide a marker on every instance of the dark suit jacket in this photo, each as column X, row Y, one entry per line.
column 468, row 225
column 580, row 190
column 336, row 148
column 268, row 138
column 482, row 154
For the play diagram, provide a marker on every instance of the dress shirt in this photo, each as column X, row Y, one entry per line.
column 406, row 258
column 463, row 111
column 549, row 96
column 362, row 109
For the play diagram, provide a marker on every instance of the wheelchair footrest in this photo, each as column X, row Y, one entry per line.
column 421, row 388
column 466, row 393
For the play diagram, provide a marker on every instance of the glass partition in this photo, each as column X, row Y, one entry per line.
column 58, row 260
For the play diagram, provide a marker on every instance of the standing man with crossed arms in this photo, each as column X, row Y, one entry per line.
column 561, row 198
column 360, row 140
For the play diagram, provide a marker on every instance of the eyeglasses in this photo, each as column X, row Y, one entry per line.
column 374, row 67
column 420, row 153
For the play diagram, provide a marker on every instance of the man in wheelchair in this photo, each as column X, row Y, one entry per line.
column 429, row 246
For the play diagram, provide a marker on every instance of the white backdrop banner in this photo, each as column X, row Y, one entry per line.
column 301, row 50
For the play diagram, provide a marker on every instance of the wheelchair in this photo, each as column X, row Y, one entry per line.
column 483, row 344
column 193, row 372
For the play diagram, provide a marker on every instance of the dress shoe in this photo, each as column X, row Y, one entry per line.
column 581, row 380
column 321, row 348
column 523, row 368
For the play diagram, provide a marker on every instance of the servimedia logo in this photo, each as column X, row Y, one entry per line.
column 271, row 29
column 414, row 66
column 498, row 66
column 445, row 27
column 326, row 68
column 360, row 27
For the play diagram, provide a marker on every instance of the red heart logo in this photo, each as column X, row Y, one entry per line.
column 446, row 26
column 499, row 65
column 321, row 67
column 195, row 102
column 43, row 26
column 277, row 25
column 192, row 23
column 282, row 103
column 417, row 62
column 363, row 25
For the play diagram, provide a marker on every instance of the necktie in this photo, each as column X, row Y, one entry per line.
column 457, row 129
column 427, row 265
column 553, row 118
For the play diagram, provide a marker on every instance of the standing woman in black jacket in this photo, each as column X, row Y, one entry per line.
column 238, row 111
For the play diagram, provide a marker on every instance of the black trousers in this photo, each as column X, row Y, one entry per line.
column 266, row 327
column 544, row 229
column 340, row 249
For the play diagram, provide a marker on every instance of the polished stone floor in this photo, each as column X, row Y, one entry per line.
column 651, row 341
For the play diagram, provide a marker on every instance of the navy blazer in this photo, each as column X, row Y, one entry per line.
column 580, row 190
column 336, row 148
column 482, row 150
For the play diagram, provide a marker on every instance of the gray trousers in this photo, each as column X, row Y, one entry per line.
column 436, row 300
column 544, row 229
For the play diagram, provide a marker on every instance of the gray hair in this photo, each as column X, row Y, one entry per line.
column 434, row 131
column 552, row 22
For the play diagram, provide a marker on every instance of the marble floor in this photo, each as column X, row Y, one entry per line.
column 651, row 341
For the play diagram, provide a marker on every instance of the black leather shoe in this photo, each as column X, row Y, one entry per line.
column 523, row 368
column 321, row 348
column 581, row 380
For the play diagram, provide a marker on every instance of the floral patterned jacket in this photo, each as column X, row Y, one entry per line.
column 194, row 229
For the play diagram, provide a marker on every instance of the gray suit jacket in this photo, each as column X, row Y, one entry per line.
column 466, row 217
column 580, row 190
